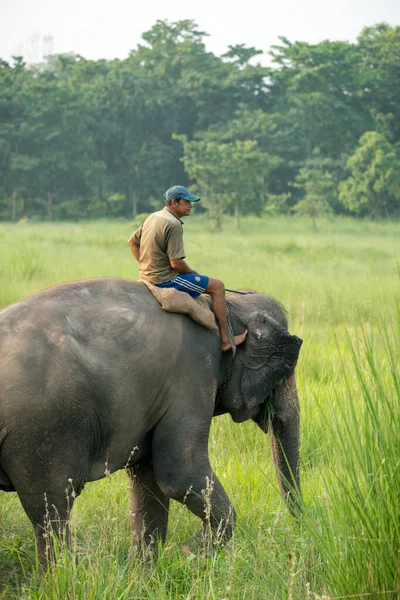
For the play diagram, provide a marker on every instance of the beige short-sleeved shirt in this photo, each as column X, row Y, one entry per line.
column 160, row 239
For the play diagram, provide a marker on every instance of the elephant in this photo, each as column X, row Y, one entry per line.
column 96, row 377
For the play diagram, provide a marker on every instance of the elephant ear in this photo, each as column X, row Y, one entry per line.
column 270, row 355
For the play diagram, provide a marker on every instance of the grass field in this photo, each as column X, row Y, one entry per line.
column 341, row 287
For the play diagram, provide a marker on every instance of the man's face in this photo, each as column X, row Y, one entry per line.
column 181, row 207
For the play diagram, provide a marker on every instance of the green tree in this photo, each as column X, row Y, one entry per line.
column 132, row 135
column 248, row 82
column 379, row 48
column 275, row 137
column 15, row 161
column 321, row 88
column 195, row 82
column 374, row 183
column 319, row 190
column 57, row 138
column 228, row 176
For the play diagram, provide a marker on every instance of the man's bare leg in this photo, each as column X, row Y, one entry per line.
column 216, row 290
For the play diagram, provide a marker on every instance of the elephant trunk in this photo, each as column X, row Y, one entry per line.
column 285, row 440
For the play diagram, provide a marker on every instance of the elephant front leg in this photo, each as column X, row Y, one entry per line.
column 184, row 474
column 148, row 508
column 207, row 499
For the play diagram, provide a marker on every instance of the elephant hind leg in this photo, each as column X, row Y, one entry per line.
column 148, row 508
column 49, row 514
column 47, row 483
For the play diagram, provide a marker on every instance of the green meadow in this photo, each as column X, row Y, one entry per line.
column 341, row 288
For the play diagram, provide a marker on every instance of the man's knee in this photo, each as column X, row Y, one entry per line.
column 215, row 286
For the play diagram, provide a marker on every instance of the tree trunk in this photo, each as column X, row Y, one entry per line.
column 134, row 205
column 314, row 214
column 236, row 215
column 309, row 148
column 14, row 206
column 377, row 206
column 101, row 198
column 263, row 195
column 100, row 191
column 218, row 221
column 50, row 197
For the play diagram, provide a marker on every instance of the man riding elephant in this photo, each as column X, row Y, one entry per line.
column 158, row 247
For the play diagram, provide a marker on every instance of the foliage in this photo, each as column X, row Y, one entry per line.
column 318, row 187
column 229, row 174
column 75, row 132
column 374, row 184
column 379, row 46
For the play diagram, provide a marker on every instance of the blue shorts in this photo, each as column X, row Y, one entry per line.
column 191, row 283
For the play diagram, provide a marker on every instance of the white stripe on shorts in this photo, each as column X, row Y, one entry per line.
column 189, row 284
column 187, row 281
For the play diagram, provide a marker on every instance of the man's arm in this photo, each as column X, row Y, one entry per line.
column 180, row 266
column 134, row 243
column 135, row 250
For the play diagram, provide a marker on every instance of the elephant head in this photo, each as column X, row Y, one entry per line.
column 263, row 388
column 268, row 356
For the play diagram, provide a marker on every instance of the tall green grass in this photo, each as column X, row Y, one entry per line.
column 357, row 528
column 342, row 289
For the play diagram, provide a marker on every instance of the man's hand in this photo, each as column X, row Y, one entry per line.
column 180, row 266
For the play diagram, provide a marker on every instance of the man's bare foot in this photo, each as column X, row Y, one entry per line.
column 239, row 339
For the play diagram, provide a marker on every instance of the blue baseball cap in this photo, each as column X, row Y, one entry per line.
column 178, row 192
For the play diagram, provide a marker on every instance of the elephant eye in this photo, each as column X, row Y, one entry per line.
column 258, row 334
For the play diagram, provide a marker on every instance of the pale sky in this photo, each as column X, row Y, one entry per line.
column 111, row 28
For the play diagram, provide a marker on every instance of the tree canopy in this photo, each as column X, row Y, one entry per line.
column 318, row 131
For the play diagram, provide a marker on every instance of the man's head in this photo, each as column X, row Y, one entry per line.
column 179, row 200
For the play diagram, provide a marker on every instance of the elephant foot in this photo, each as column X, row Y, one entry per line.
column 145, row 552
column 203, row 543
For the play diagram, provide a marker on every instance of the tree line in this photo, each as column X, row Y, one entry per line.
column 317, row 132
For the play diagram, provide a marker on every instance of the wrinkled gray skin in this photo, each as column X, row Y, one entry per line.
column 96, row 377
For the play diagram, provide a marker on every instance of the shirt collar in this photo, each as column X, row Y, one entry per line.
column 172, row 213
